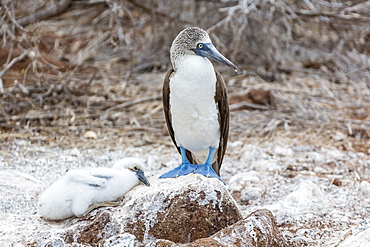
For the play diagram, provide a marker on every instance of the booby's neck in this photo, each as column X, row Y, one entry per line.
column 197, row 69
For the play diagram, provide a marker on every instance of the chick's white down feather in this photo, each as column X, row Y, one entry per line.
column 78, row 189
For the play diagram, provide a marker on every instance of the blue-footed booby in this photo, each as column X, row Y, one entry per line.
column 80, row 191
column 196, row 104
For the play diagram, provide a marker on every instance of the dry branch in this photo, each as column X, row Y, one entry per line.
column 8, row 66
column 246, row 105
column 134, row 102
column 14, row 60
column 359, row 7
column 53, row 10
column 24, row 90
column 349, row 17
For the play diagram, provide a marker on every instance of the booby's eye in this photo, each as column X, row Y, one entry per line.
column 135, row 168
column 200, row 46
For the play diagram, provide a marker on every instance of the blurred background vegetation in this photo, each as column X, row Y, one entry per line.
column 57, row 56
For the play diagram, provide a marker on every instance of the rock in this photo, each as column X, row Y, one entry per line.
column 197, row 243
column 251, row 154
column 163, row 243
column 258, row 229
column 307, row 195
column 180, row 210
column 246, row 186
column 121, row 240
column 95, row 229
column 265, row 165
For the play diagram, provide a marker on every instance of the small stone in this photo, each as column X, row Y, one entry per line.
column 319, row 170
column 304, row 148
column 95, row 101
column 337, row 182
column 283, row 151
column 75, row 152
column 90, row 135
column 339, row 136
column 246, row 186
column 252, row 153
column 364, row 187
column 265, row 165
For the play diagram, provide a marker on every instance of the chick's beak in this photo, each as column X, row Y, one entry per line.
column 142, row 178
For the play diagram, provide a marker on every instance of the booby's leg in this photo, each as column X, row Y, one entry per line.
column 98, row 205
column 184, row 169
column 206, row 169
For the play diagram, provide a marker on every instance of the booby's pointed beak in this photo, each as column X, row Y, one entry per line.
column 142, row 178
column 209, row 50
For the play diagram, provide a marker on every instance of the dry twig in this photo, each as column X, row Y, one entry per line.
column 53, row 10
column 134, row 102
column 8, row 66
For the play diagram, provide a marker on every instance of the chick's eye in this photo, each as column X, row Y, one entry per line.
column 200, row 45
column 136, row 168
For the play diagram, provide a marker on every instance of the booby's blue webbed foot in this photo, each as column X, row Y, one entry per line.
column 182, row 170
column 206, row 169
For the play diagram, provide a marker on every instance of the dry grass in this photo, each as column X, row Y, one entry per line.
column 78, row 66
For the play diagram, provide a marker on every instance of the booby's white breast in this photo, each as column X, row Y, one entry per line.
column 193, row 108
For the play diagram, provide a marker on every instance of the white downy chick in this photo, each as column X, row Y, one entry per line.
column 80, row 191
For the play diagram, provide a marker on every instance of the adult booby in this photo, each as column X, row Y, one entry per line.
column 80, row 191
column 196, row 104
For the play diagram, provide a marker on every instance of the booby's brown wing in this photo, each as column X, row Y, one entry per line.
column 167, row 112
column 222, row 102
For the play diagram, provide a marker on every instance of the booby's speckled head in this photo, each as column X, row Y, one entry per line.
column 140, row 174
column 195, row 41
